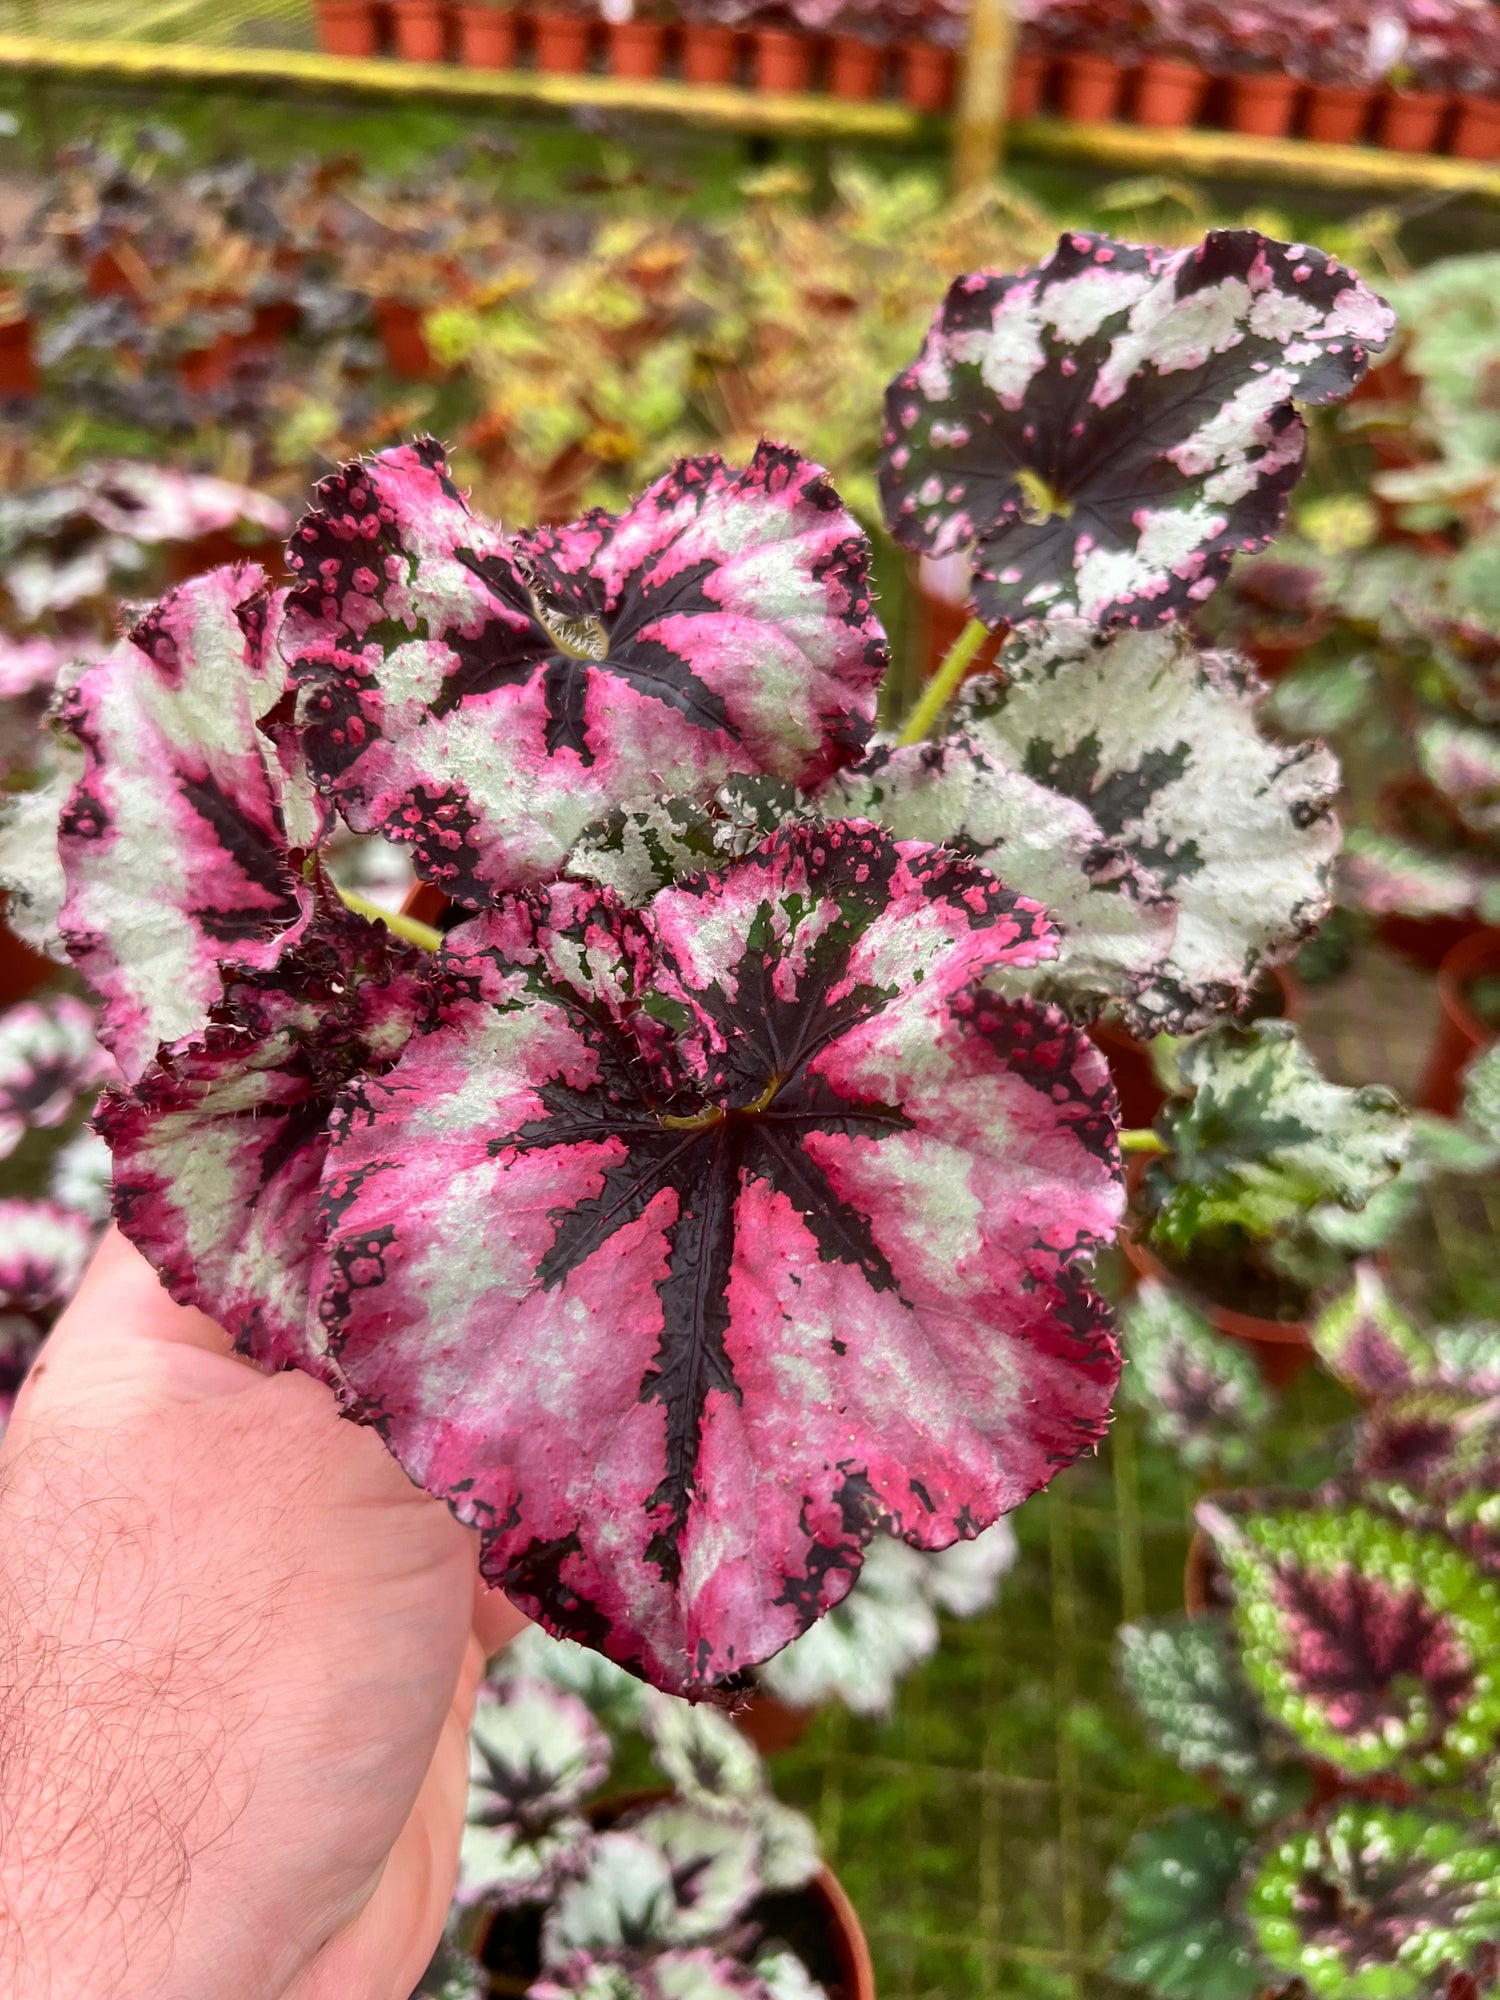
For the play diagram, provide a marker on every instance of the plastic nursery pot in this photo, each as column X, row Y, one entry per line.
column 348, row 27
column 927, row 75
column 1411, row 121
column 487, row 37
column 780, row 60
column 1089, row 87
column 1337, row 113
column 1168, row 95
column 1262, row 104
column 1282, row 1348
column 1028, row 83
column 1462, row 1031
column 1476, row 129
column 856, row 69
column 19, row 375
column 636, row 48
column 709, row 53
column 561, row 41
column 772, row 1725
column 421, row 30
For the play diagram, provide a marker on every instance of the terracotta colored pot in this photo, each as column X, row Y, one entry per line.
column 22, row 970
column 1461, row 1032
column 780, row 60
column 708, row 53
column 1337, row 114
column 1282, row 1348
column 1089, row 87
column 942, row 588
column 1168, row 95
column 421, row 28
column 348, row 27
column 426, row 903
column 206, row 552
column 927, row 74
column 856, row 69
column 1411, row 121
column 636, row 48
column 487, row 37
column 1476, row 129
column 19, row 375
column 561, row 41
column 1262, row 105
column 406, row 351
column 1028, row 82
column 1197, row 1573
column 771, row 1725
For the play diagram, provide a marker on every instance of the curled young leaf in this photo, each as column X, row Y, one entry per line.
column 1202, row 1395
column 1386, row 876
column 219, row 1148
column 175, row 840
column 1371, row 1641
column 49, row 1059
column 1158, row 742
column 1378, row 1902
column 481, row 699
column 1108, row 429
column 535, row 1754
column 1265, row 1137
column 1115, row 920
column 1462, row 759
column 636, row 1256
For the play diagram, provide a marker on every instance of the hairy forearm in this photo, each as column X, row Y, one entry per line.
column 119, row 1767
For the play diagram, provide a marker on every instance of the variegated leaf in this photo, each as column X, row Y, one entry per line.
column 175, row 842
column 1202, row 1395
column 535, row 1755
column 637, row 1256
column 1115, row 920
column 483, row 699
column 1462, row 759
column 1158, row 742
column 1365, row 1338
column 1265, row 1136
column 647, row 844
column 219, row 1148
column 1371, row 1641
column 1108, row 429
column 43, row 1250
column 50, row 1059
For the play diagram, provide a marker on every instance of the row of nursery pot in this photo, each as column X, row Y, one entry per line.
column 1161, row 92
column 566, row 42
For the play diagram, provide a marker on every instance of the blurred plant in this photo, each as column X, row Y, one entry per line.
column 1201, row 1395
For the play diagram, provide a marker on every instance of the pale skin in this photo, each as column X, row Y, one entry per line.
column 238, row 1656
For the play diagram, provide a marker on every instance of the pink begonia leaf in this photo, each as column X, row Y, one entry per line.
column 1109, row 428
column 177, row 843
column 49, row 1059
column 697, row 1243
column 219, row 1148
column 482, row 699
column 43, row 1249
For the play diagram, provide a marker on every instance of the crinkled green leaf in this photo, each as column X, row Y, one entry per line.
column 1171, row 1893
column 1182, row 1675
column 1365, row 1338
column 1265, row 1137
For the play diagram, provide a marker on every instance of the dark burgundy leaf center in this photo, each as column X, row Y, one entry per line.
column 1368, row 1911
column 572, row 636
column 1373, row 1655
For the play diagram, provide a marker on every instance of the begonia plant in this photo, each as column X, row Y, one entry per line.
column 683, row 1232
column 1201, row 1395
column 663, row 1896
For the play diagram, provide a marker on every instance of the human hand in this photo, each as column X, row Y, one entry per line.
column 238, row 1656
